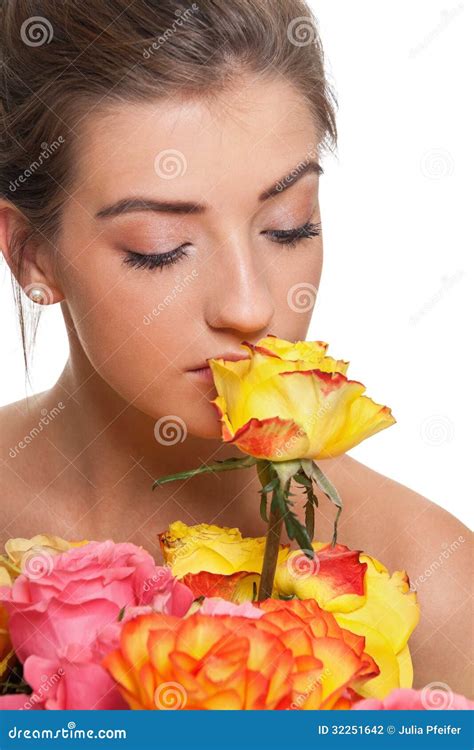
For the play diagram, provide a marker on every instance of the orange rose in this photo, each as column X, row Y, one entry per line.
column 294, row 656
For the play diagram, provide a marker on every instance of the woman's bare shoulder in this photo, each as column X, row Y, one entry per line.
column 17, row 431
column 379, row 508
column 21, row 466
column 407, row 531
column 16, row 416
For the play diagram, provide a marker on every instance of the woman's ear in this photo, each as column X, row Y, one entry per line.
column 29, row 256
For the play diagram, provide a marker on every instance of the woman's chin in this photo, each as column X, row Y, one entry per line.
column 198, row 420
column 208, row 427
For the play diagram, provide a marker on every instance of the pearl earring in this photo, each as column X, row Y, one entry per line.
column 36, row 294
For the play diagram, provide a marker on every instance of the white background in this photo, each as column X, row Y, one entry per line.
column 398, row 243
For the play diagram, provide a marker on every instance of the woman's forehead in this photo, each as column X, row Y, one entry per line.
column 181, row 143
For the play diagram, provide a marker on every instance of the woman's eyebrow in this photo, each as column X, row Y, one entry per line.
column 129, row 205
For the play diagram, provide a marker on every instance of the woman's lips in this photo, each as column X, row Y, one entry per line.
column 203, row 373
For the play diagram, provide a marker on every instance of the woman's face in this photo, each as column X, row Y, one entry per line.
column 185, row 182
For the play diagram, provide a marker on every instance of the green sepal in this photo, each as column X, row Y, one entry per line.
column 294, row 527
column 313, row 471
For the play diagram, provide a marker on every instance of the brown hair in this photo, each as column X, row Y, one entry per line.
column 61, row 60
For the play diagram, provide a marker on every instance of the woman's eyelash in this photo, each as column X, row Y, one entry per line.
column 160, row 260
column 292, row 236
column 140, row 260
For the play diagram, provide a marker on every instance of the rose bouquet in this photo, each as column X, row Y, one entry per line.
column 227, row 622
column 98, row 625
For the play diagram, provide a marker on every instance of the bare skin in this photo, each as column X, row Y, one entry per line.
column 88, row 473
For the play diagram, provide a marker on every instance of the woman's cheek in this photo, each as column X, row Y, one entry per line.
column 130, row 336
column 295, row 288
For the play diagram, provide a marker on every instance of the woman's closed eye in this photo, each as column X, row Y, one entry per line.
column 290, row 237
column 293, row 236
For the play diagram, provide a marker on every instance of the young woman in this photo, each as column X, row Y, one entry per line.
column 159, row 176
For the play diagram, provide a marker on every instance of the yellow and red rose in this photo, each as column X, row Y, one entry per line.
column 356, row 588
column 288, row 400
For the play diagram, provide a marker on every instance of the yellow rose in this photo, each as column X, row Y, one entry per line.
column 19, row 549
column 290, row 401
column 356, row 588
column 215, row 549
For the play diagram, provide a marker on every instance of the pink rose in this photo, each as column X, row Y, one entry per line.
column 401, row 699
column 66, row 614
column 17, row 702
column 214, row 605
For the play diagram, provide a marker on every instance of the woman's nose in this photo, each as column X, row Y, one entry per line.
column 238, row 295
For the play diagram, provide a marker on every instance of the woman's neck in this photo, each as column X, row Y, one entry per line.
column 108, row 451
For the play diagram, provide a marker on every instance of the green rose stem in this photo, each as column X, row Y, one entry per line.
column 275, row 477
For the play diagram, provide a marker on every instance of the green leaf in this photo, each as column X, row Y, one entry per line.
column 265, row 472
column 228, row 465
column 12, row 680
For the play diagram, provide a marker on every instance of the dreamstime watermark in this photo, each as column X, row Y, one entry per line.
column 36, row 563
column 182, row 549
column 447, row 283
column 301, row 567
column 170, row 430
column 301, row 297
column 47, row 150
column 437, row 696
column 39, row 695
column 46, row 419
column 170, row 696
column 182, row 16
column 46, row 293
column 437, row 163
column 312, row 153
column 447, row 15
column 448, row 550
column 36, row 31
column 170, row 163
column 179, row 287
column 301, row 31
column 436, row 430
column 71, row 732
column 301, row 699
column 162, row 576
column 284, row 449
